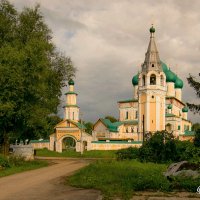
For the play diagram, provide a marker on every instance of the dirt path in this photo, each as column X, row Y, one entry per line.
column 45, row 184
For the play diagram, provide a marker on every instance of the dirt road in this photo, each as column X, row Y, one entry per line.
column 45, row 184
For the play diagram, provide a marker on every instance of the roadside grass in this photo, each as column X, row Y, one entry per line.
column 16, row 165
column 74, row 154
column 123, row 178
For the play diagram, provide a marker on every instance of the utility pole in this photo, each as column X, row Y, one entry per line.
column 81, row 139
column 143, row 129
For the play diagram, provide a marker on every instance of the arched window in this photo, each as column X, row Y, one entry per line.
column 73, row 115
column 136, row 114
column 143, row 80
column 153, row 79
column 126, row 114
column 126, row 130
column 162, row 80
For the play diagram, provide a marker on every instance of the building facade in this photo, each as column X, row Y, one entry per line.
column 156, row 105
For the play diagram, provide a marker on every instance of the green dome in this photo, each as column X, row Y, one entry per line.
column 169, row 106
column 135, row 79
column 170, row 76
column 164, row 67
column 185, row 109
column 178, row 83
column 152, row 29
column 71, row 82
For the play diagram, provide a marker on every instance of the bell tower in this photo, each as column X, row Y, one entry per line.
column 151, row 91
column 71, row 108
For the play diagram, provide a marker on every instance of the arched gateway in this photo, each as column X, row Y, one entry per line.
column 70, row 133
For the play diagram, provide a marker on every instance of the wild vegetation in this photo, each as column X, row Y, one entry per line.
column 122, row 178
column 11, row 165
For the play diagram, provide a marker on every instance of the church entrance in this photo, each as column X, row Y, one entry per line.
column 68, row 144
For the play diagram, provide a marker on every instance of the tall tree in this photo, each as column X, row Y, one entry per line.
column 32, row 72
column 196, row 86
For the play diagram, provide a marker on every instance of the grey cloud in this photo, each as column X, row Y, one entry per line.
column 107, row 41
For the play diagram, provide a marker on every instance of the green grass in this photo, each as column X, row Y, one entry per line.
column 122, row 178
column 86, row 154
column 26, row 165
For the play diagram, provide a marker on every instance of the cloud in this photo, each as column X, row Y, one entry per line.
column 107, row 41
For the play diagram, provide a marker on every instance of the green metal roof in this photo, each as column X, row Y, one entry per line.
column 39, row 141
column 71, row 82
column 135, row 79
column 185, row 109
column 113, row 127
column 189, row 133
column 169, row 106
column 128, row 100
column 70, row 93
column 117, row 142
column 178, row 83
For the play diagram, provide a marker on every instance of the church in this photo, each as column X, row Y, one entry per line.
column 156, row 105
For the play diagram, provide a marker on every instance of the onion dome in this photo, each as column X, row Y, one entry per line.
column 170, row 76
column 178, row 83
column 152, row 29
column 164, row 67
column 169, row 106
column 135, row 79
column 71, row 82
column 185, row 109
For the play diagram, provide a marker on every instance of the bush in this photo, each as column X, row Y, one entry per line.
column 16, row 160
column 4, row 163
column 159, row 148
column 127, row 154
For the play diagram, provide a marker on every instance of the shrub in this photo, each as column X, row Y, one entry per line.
column 127, row 154
column 4, row 162
column 16, row 160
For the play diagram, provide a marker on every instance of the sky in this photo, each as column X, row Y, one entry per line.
column 107, row 41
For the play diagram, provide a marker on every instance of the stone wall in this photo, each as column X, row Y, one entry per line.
column 25, row 151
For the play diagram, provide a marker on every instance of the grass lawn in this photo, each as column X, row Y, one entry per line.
column 26, row 165
column 86, row 154
column 122, row 178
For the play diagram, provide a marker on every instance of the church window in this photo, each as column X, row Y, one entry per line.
column 127, row 130
column 179, row 127
column 152, row 96
column 143, row 80
column 73, row 115
column 132, row 130
column 136, row 114
column 152, row 65
column 162, row 80
column 127, row 115
column 153, row 79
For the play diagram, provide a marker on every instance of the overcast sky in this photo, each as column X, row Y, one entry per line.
column 107, row 41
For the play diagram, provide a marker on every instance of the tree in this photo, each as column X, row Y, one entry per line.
column 32, row 72
column 197, row 138
column 195, row 126
column 196, row 85
column 111, row 118
column 89, row 127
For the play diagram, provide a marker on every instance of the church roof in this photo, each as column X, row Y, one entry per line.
column 112, row 127
column 152, row 59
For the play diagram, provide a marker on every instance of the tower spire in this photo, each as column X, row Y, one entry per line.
column 152, row 60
